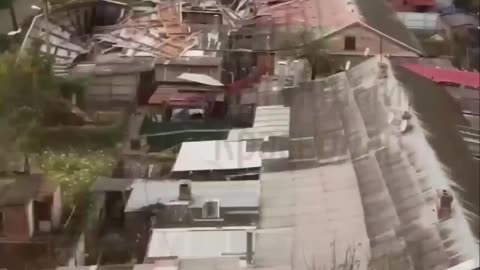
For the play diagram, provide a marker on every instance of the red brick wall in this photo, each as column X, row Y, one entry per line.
column 15, row 223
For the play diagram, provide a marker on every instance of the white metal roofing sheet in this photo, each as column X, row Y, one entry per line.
column 215, row 155
column 269, row 121
column 200, row 78
column 187, row 243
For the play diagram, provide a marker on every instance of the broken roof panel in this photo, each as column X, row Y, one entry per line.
column 157, row 34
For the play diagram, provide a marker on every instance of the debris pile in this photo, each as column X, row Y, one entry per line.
column 160, row 33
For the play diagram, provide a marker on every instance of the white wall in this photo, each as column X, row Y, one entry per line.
column 30, row 218
column 57, row 208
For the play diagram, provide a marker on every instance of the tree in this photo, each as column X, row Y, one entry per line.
column 4, row 4
column 29, row 97
column 75, row 171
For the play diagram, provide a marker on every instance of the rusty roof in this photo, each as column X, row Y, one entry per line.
column 331, row 16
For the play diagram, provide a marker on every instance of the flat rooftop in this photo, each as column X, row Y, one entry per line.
column 230, row 193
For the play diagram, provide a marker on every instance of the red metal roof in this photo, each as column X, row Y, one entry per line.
column 446, row 76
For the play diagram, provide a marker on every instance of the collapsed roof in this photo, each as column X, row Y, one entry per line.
column 93, row 31
column 153, row 34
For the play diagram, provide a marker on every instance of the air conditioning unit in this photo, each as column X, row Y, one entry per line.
column 211, row 209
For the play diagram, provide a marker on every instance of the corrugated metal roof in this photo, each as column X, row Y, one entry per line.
column 446, row 76
column 215, row 155
column 230, row 193
column 269, row 121
column 197, row 242
column 200, row 78
column 311, row 212
column 372, row 189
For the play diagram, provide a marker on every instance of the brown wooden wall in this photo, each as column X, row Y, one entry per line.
column 15, row 223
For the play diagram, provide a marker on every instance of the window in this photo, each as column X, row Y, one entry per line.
column 350, row 43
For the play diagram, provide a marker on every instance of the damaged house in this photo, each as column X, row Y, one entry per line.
column 117, row 47
column 30, row 212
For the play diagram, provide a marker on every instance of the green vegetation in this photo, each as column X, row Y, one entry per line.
column 35, row 113
column 76, row 171
column 27, row 91
column 83, row 137
column 36, row 119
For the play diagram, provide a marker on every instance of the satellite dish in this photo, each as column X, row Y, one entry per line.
column 404, row 126
column 347, row 65
column 367, row 51
column 390, row 117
